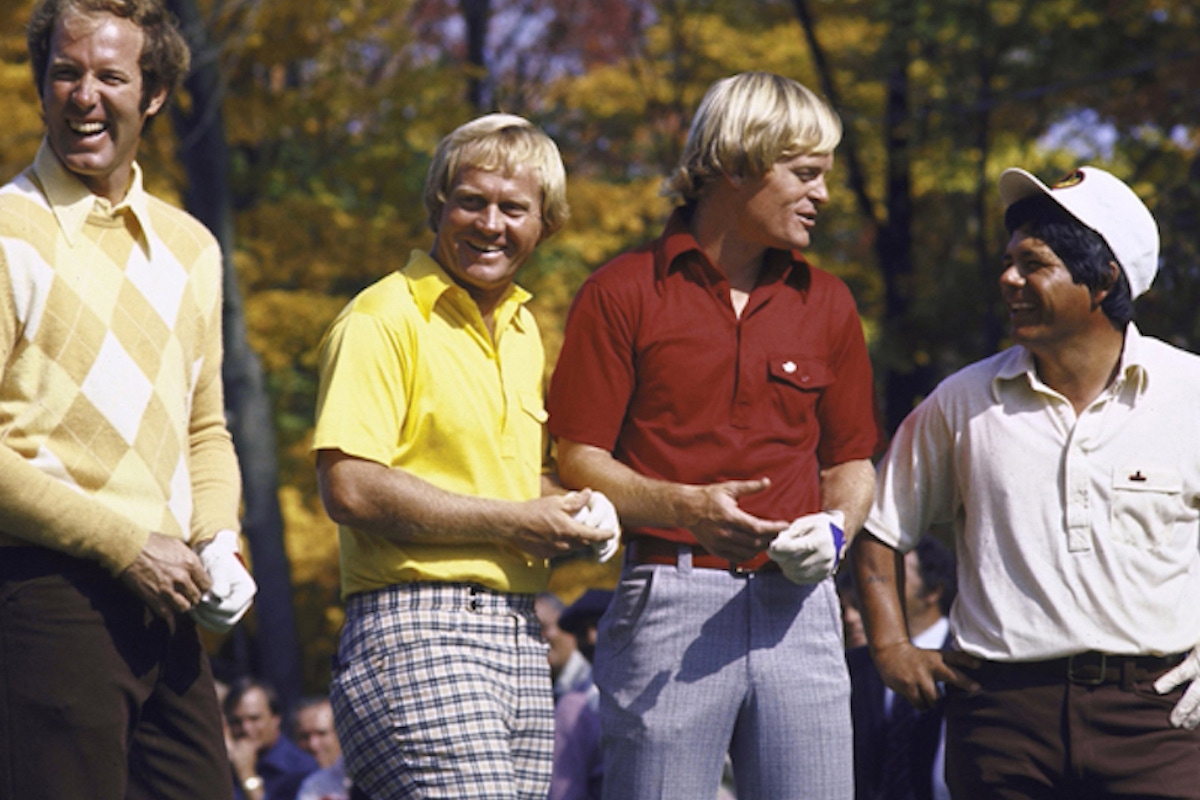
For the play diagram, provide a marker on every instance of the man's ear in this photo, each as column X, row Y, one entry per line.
column 1107, row 281
column 156, row 102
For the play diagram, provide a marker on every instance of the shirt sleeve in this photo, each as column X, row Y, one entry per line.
column 847, row 413
column 594, row 377
column 915, row 486
column 361, row 399
column 43, row 511
column 215, row 473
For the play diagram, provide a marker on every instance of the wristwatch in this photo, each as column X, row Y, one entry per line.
column 253, row 783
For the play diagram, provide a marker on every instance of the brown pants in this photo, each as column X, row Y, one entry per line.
column 1054, row 740
column 99, row 698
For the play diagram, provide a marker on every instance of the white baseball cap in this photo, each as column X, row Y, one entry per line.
column 1105, row 204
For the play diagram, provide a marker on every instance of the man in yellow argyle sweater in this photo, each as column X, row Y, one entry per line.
column 119, row 486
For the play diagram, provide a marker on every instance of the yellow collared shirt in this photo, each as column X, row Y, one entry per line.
column 411, row 379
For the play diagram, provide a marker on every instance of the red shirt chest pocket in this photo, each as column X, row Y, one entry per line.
column 795, row 385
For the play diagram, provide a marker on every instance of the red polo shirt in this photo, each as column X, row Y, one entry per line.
column 657, row 369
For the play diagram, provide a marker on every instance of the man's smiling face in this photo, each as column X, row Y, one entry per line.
column 92, row 99
column 488, row 228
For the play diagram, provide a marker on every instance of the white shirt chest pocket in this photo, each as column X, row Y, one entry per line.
column 1147, row 503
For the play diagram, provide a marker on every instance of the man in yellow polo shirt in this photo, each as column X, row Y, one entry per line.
column 430, row 445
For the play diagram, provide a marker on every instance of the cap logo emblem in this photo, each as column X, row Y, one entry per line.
column 1070, row 179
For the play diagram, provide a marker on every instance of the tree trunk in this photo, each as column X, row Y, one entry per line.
column 902, row 378
column 205, row 156
column 475, row 14
column 905, row 379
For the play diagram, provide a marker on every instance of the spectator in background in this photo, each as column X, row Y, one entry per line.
column 899, row 752
column 266, row 764
column 314, row 732
column 578, row 765
column 569, row 669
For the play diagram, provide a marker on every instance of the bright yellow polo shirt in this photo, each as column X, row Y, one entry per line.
column 411, row 379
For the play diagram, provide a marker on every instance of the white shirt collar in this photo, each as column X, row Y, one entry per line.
column 72, row 202
column 1018, row 363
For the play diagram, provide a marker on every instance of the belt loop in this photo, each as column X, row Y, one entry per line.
column 1128, row 674
column 684, row 559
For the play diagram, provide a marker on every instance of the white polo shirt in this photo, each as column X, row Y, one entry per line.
column 1072, row 533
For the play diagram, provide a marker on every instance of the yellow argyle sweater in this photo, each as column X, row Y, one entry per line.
column 111, row 411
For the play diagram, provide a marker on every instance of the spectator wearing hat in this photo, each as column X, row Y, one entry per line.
column 578, row 766
column 1069, row 465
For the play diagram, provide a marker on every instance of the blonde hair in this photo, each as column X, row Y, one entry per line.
column 499, row 143
column 744, row 125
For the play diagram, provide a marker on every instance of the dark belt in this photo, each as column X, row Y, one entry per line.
column 653, row 550
column 1088, row 669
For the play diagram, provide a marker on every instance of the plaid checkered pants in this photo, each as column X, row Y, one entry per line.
column 443, row 691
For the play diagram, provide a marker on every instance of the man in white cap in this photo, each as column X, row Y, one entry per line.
column 1069, row 465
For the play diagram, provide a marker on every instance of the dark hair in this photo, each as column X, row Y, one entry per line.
column 936, row 563
column 304, row 704
column 1084, row 252
column 242, row 685
column 165, row 58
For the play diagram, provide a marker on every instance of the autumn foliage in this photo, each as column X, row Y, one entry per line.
column 332, row 108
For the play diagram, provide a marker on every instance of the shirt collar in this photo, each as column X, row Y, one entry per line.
column 430, row 282
column 677, row 240
column 72, row 202
column 1134, row 368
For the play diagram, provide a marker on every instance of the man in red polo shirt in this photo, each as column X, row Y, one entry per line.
column 717, row 388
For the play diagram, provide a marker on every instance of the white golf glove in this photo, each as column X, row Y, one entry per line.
column 1186, row 713
column 232, row 589
column 600, row 513
column 810, row 549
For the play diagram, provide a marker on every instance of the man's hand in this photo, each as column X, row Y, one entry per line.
column 548, row 526
column 167, row 576
column 724, row 529
column 811, row 548
column 915, row 673
column 601, row 514
column 243, row 757
column 232, row 589
column 1186, row 713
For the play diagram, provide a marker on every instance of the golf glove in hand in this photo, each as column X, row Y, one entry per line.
column 600, row 513
column 232, row 589
column 1186, row 713
column 811, row 548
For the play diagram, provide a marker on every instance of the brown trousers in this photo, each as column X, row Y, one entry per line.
column 1046, row 739
column 99, row 698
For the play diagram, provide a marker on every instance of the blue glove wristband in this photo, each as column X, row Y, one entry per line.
column 839, row 545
